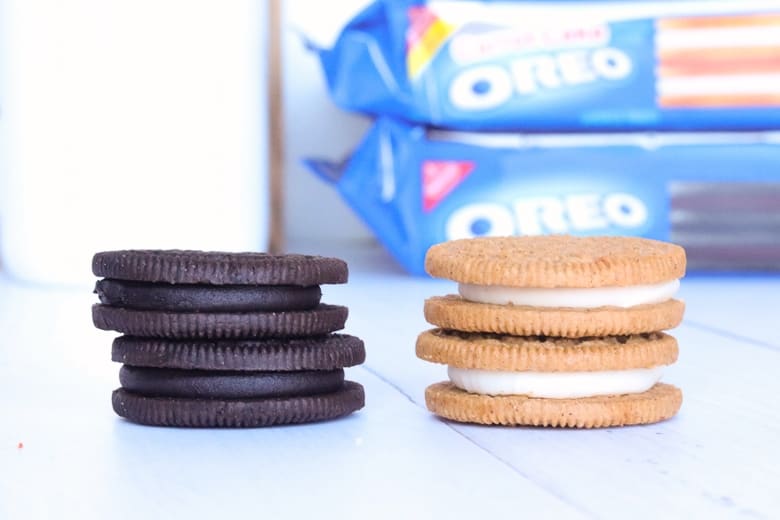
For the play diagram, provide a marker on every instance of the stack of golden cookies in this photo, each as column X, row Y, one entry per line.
column 554, row 330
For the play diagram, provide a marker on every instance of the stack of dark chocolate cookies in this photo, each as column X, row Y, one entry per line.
column 226, row 339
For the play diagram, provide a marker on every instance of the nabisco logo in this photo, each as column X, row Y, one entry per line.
column 439, row 178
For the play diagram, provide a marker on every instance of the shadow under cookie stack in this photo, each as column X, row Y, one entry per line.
column 554, row 330
column 226, row 339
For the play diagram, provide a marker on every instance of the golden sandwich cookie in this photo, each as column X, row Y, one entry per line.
column 557, row 285
column 538, row 381
column 554, row 330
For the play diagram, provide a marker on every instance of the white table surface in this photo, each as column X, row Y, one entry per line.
column 64, row 454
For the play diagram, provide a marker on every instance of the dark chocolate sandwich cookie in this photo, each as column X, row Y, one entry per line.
column 211, row 298
column 226, row 339
column 199, row 267
column 214, row 384
column 219, row 325
column 309, row 353
column 237, row 413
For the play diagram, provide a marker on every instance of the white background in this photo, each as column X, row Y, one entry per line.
column 143, row 125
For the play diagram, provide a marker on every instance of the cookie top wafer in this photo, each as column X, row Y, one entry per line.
column 308, row 353
column 199, row 267
column 556, row 261
column 542, row 354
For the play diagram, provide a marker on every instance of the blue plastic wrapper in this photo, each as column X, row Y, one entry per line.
column 517, row 66
column 713, row 193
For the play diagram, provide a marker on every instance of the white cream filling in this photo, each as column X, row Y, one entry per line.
column 583, row 298
column 555, row 385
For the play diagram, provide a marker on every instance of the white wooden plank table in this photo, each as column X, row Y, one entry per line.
column 718, row 458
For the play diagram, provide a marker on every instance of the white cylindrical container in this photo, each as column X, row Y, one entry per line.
column 130, row 125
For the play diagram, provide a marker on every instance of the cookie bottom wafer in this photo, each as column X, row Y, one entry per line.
column 237, row 413
column 661, row 402
column 453, row 312
column 222, row 384
column 207, row 298
column 220, row 325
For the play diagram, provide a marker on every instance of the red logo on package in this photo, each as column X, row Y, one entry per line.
column 420, row 19
column 439, row 178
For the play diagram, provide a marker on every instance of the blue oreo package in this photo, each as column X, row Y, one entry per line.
column 587, row 66
column 716, row 194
